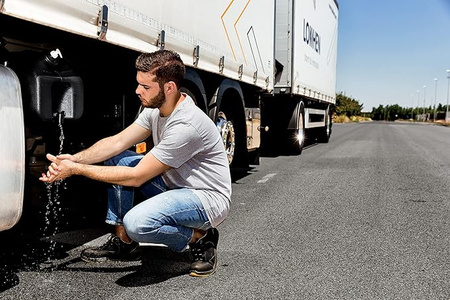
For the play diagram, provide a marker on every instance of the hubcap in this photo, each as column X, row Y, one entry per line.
column 226, row 130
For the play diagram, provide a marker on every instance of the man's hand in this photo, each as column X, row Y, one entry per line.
column 67, row 156
column 60, row 168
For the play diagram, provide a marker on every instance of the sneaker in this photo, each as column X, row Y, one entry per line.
column 204, row 252
column 113, row 249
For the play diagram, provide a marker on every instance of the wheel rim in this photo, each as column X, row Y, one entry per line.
column 226, row 130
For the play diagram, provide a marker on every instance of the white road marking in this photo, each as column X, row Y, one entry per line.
column 266, row 178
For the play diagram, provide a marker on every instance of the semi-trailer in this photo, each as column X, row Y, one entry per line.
column 264, row 71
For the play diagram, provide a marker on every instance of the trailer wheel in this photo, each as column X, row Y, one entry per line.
column 296, row 137
column 226, row 130
column 324, row 135
column 227, row 111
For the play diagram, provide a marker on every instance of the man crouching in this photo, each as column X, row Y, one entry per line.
column 185, row 177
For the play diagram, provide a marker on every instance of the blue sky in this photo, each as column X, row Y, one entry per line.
column 389, row 49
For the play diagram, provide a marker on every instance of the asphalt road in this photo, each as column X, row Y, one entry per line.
column 365, row 216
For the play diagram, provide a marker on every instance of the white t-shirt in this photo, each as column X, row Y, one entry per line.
column 189, row 142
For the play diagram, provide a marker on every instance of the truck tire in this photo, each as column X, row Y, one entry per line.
column 325, row 133
column 296, row 137
column 231, row 119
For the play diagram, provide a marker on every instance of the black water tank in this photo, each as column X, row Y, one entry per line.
column 54, row 88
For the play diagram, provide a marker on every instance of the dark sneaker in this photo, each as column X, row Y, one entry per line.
column 113, row 249
column 204, row 252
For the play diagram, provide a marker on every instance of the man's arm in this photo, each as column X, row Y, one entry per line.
column 110, row 146
column 145, row 170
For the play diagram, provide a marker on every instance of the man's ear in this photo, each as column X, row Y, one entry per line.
column 170, row 87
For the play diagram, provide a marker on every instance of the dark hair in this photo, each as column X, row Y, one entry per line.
column 166, row 65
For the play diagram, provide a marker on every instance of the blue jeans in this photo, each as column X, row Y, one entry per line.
column 167, row 216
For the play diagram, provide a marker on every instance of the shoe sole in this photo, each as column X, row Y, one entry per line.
column 194, row 273
column 201, row 275
column 106, row 259
column 94, row 260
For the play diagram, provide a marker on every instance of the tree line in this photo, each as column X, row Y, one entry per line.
column 351, row 107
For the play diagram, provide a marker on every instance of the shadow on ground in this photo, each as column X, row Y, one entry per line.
column 158, row 264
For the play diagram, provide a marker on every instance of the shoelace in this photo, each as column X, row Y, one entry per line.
column 197, row 251
column 112, row 240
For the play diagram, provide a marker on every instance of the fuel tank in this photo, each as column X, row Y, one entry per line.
column 12, row 149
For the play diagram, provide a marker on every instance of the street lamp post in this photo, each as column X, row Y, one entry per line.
column 424, row 97
column 447, row 119
column 435, row 98
column 418, row 105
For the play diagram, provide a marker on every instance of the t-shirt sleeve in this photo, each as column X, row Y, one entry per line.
column 144, row 118
column 179, row 143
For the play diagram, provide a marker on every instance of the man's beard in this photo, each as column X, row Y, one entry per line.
column 157, row 101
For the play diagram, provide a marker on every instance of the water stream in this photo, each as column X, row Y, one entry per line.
column 53, row 210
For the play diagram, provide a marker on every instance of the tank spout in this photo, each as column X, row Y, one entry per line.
column 60, row 116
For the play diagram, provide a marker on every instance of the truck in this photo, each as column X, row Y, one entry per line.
column 264, row 71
